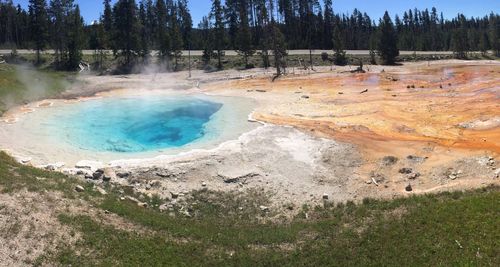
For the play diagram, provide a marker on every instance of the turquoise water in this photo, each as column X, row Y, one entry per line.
column 136, row 124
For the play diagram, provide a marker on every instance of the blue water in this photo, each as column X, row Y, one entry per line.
column 133, row 124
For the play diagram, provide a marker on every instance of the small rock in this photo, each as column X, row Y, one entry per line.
column 97, row 175
column 389, row 160
column 369, row 182
column 88, row 176
column 405, row 170
column 108, row 174
column 123, row 174
column 79, row 188
column 408, row 188
column 174, row 195
column 452, row 176
column 325, row 196
column 101, row 191
column 163, row 207
column 203, row 184
column 264, row 208
column 413, row 176
column 305, row 96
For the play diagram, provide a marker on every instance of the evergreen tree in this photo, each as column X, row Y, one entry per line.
column 107, row 22
column 176, row 37
column 145, row 33
column 244, row 37
column 207, row 40
column 483, row 44
column 162, row 37
column 387, row 43
column 39, row 24
column 126, row 25
column 75, row 38
column 494, row 33
column 338, row 44
column 219, row 36
column 186, row 23
column 278, row 43
column 459, row 41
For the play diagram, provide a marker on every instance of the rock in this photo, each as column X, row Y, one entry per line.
column 325, row 196
column 405, row 170
column 264, row 208
column 235, row 178
column 142, row 204
column 163, row 207
column 101, row 190
column 389, row 160
column 416, row 159
column 80, row 172
column 174, row 195
column 305, row 96
column 203, row 184
column 452, row 176
column 23, row 160
column 88, row 164
column 108, row 174
column 89, row 176
column 123, row 174
column 79, row 188
column 413, row 176
column 97, row 175
column 408, row 188
column 261, row 91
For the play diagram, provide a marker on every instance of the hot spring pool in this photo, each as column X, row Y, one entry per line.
column 121, row 127
column 134, row 124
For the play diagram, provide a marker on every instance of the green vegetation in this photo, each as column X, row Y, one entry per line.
column 459, row 229
column 20, row 84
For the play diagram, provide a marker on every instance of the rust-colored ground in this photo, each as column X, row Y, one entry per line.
column 444, row 112
column 420, row 103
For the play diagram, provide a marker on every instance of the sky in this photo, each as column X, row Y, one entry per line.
column 91, row 9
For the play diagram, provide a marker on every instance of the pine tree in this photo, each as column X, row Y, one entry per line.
column 244, row 36
column 126, row 25
column 38, row 25
column 107, row 22
column 387, row 43
column 176, row 37
column 219, row 29
column 494, row 33
column 75, row 38
column 145, row 34
column 163, row 38
column 206, row 40
column 338, row 44
column 186, row 23
column 278, row 43
column 483, row 44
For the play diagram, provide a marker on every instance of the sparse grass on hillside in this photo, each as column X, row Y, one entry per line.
column 458, row 229
column 20, row 84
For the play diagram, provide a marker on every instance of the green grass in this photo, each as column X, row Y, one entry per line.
column 414, row 231
column 20, row 84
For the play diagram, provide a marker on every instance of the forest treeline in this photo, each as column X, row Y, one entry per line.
column 270, row 27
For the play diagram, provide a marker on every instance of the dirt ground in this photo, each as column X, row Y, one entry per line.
column 330, row 133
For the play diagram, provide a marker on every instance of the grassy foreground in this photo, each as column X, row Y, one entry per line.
column 458, row 229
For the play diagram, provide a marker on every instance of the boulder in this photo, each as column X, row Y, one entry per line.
column 408, row 188
column 79, row 188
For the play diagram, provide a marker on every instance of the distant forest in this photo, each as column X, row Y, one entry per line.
column 133, row 29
